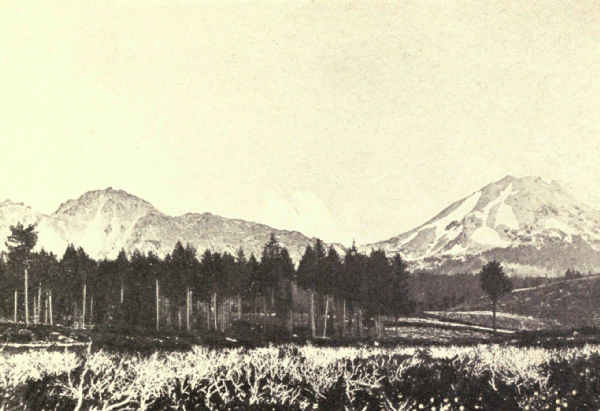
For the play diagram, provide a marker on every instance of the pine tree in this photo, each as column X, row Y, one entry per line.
column 399, row 300
column 306, row 279
column 20, row 242
column 331, row 273
column 69, row 266
column 495, row 284
column 376, row 298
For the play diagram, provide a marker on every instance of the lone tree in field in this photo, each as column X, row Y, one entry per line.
column 495, row 284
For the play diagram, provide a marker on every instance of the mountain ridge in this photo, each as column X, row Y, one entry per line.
column 107, row 220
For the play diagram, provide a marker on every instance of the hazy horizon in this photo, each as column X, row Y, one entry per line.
column 340, row 120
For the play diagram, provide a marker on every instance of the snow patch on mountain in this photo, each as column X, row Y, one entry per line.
column 488, row 236
column 505, row 214
column 553, row 223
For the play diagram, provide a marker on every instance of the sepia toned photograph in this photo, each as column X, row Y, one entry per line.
column 299, row 205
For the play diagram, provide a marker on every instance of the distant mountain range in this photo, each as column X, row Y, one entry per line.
column 105, row 221
column 534, row 227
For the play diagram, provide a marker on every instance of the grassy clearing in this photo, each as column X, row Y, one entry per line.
column 506, row 321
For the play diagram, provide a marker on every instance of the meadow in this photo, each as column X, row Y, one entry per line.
column 305, row 377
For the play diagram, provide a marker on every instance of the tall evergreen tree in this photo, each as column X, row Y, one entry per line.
column 399, row 300
column 376, row 300
column 20, row 242
column 328, row 281
column 495, row 283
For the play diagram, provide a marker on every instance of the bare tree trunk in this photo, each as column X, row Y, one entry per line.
column 91, row 308
column 326, row 315
column 26, row 298
column 313, row 325
column 34, row 310
column 50, row 308
column 179, row 318
column 360, row 322
column 39, row 303
column 272, row 299
column 227, row 313
column 157, row 306
column 290, row 322
column 215, row 309
column 46, row 308
column 122, row 292
column 343, row 317
column 187, row 309
column 335, row 314
column 168, row 311
column 83, row 305
column 207, row 307
column 16, row 305
column 239, row 304
column 191, row 309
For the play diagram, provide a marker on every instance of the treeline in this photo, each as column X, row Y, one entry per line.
column 188, row 291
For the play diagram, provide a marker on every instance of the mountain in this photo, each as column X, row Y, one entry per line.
column 104, row 221
column 531, row 225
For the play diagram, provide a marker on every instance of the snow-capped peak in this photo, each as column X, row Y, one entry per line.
column 511, row 212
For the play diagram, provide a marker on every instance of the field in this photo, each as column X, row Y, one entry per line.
column 506, row 321
column 439, row 361
column 293, row 377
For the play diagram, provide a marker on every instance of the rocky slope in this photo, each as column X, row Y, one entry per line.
column 104, row 221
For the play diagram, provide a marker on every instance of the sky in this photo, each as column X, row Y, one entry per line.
column 344, row 120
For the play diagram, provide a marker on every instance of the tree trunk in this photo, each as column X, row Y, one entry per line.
column 16, row 305
column 168, row 311
column 239, row 304
column 46, row 308
column 157, row 306
column 313, row 325
column 83, row 305
column 335, row 320
column 290, row 325
column 494, row 316
column 179, row 318
column 207, row 307
column 343, row 317
column 187, row 309
column 39, row 303
column 191, row 309
column 360, row 322
column 326, row 315
column 34, row 310
column 26, row 298
column 75, row 313
column 50, row 308
column 215, row 309
column 226, row 313
column 122, row 292
column 272, row 299
column 91, row 320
